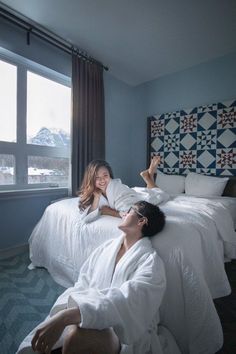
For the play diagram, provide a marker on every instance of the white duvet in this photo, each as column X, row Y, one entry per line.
column 198, row 235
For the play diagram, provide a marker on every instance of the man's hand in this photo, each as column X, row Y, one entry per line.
column 50, row 331
column 48, row 334
column 106, row 210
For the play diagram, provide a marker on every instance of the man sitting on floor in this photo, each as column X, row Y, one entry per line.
column 113, row 307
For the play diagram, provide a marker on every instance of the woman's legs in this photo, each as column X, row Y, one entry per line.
column 148, row 175
column 90, row 341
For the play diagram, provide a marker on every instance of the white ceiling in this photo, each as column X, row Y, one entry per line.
column 140, row 40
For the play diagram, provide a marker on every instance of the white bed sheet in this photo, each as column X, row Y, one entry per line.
column 228, row 202
column 193, row 244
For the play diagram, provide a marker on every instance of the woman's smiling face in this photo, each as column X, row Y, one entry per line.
column 102, row 179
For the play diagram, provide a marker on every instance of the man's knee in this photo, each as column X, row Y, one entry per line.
column 78, row 341
column 82, row 341
column 71, row 341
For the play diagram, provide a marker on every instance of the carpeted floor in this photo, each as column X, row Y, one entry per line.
column 26, row 297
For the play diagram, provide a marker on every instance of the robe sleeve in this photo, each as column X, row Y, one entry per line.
column 62, row 301
column 87, row 217
column 120, row 196
column 83, row 282
column 154, row 195
column 130, row 308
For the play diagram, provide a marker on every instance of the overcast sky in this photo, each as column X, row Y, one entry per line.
column 48, row 103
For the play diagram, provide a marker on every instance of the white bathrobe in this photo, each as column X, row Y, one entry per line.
column 121, row 198
column 126, row 297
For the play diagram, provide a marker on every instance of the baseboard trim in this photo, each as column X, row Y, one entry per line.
column 14, row 251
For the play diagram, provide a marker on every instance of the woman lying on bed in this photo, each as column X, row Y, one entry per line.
column 101, row 194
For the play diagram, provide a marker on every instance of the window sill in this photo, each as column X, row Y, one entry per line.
column 28, row 193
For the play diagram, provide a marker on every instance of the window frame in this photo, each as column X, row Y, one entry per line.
column 21, row 149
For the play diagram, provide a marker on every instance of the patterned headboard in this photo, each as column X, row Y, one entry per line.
column 201, row 139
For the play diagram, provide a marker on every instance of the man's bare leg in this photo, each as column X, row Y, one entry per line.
column 90, row 341
column 148, row 175
column 57, row 351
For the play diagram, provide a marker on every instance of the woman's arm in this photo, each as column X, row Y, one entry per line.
column 106, row 210
column 95, row 203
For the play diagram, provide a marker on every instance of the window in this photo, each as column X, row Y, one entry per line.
column 8, row 75
column 7, row 169
column 34, row 125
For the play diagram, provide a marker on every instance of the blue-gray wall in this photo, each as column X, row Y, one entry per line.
column 206, row 83
column 18, row 215
column 126, row 111
column 120, row 111
column 14, row 39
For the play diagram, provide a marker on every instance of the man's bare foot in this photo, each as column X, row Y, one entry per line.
column 155, row 162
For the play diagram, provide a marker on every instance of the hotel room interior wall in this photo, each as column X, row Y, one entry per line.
column 13, row 38
column 120, row 113
column 206, row 83
column 19, row 215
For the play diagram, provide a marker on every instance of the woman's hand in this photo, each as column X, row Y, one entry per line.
column 97, row 193
column 106, row 210
column 48, row 334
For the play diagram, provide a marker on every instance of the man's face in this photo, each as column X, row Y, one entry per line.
column 131, row 219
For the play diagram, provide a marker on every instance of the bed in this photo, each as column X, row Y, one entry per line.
column 198, row 237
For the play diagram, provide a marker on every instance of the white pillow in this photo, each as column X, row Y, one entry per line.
column 171, row 184
column 196, row 184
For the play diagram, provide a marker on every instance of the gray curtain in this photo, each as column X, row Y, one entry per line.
column 88, row 114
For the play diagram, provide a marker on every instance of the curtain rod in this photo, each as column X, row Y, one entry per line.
column 49, row 37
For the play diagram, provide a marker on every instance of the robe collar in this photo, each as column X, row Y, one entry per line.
column 130, row 258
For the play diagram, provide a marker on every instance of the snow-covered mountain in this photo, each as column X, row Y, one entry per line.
column 51, row 137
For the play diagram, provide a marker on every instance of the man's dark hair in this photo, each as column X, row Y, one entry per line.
column 155, row 217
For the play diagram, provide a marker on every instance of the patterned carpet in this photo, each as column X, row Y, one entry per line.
column 26, row 297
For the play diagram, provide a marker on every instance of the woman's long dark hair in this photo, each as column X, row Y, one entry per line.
column 88, row 184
